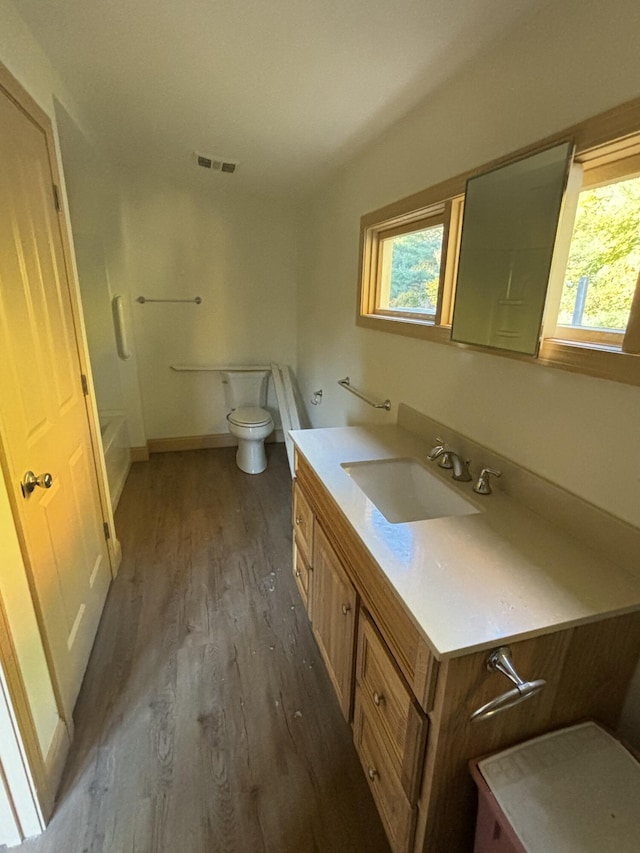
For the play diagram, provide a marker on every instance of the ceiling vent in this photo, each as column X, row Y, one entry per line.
column 216, row 164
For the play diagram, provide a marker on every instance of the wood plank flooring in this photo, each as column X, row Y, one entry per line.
column 206, row 722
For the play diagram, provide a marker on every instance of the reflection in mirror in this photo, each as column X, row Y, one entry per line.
column 508, row 233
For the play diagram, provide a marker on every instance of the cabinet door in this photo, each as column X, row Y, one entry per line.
column 303, row 523
column 334, row 617
column 302, row 574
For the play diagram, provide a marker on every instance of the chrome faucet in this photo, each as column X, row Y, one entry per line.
column 450, row 459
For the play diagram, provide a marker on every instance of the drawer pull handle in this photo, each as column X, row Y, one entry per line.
column 372, row 773
column 500, row 661
column 345, row 609
column 378, row 699
column 297, row 573
column 298, row 519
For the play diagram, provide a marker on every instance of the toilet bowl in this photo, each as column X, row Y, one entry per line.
column 248, row 420
column 250, row 426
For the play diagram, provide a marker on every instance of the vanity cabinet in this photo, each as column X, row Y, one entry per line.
column 303, row 522
column 411, row 713
column 302, row 574
column 334, row 618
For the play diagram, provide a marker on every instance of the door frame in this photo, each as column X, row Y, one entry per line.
column 28, row 771
column 46, row 773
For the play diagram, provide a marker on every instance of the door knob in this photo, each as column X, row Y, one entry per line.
column 30, row 481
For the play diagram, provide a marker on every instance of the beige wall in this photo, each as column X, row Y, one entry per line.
column 22, row 55
column 235, row 251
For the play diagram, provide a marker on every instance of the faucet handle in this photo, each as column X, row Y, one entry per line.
column 437, row 450
column 445, row 460
column 440, row 452
column 483, row 486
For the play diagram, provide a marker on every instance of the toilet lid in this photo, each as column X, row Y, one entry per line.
column 250, row 416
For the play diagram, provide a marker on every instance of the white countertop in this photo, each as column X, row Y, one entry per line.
column 470, row 581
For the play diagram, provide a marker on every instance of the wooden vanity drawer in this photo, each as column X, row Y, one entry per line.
column 301, row 574
column 395, row 712
column 303, row 523
column 397, row 814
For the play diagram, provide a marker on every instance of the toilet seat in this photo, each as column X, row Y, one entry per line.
column 251, row 416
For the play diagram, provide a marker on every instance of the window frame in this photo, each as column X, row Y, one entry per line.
column 380, row 236
column 610, row 139
column 395, row 220
column 602, row 166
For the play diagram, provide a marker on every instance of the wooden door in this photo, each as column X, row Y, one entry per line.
column 44, row 423
column 335, row 604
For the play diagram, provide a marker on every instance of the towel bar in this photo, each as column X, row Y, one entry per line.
column 345, row 383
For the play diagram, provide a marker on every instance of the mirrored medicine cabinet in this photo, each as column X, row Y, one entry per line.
column 508, row 235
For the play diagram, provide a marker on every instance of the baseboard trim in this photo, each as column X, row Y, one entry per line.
column 139, row 454
column 202, row 442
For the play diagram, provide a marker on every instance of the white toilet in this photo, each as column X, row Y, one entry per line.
column 246, row 394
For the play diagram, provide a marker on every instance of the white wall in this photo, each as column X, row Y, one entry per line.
column 96, row 221
column 235, row 251
column 568, row 62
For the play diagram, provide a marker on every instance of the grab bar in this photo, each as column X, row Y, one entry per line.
column 143, row 299
column 212, row 368
column 120, row 326
column 345, row 383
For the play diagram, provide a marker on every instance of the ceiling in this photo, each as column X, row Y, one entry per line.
column 288, row 88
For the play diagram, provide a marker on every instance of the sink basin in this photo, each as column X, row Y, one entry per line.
column 404, row 490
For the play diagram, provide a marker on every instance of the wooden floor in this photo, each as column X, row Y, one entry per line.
column 206, row 721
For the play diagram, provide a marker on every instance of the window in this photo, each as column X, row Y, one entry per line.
column 409, row 265
column 603, row 265
column 409, row 256
column 410, row 270
column 604, row 259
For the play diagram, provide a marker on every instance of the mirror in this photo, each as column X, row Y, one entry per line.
column 508, row 234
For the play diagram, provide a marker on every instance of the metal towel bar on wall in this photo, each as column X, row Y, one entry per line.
column 144, row 299
column 345, row 383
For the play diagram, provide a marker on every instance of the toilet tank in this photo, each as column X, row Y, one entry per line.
column 245, row 388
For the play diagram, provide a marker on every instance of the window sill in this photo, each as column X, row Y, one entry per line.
column 599, row 360
column 408, row 326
